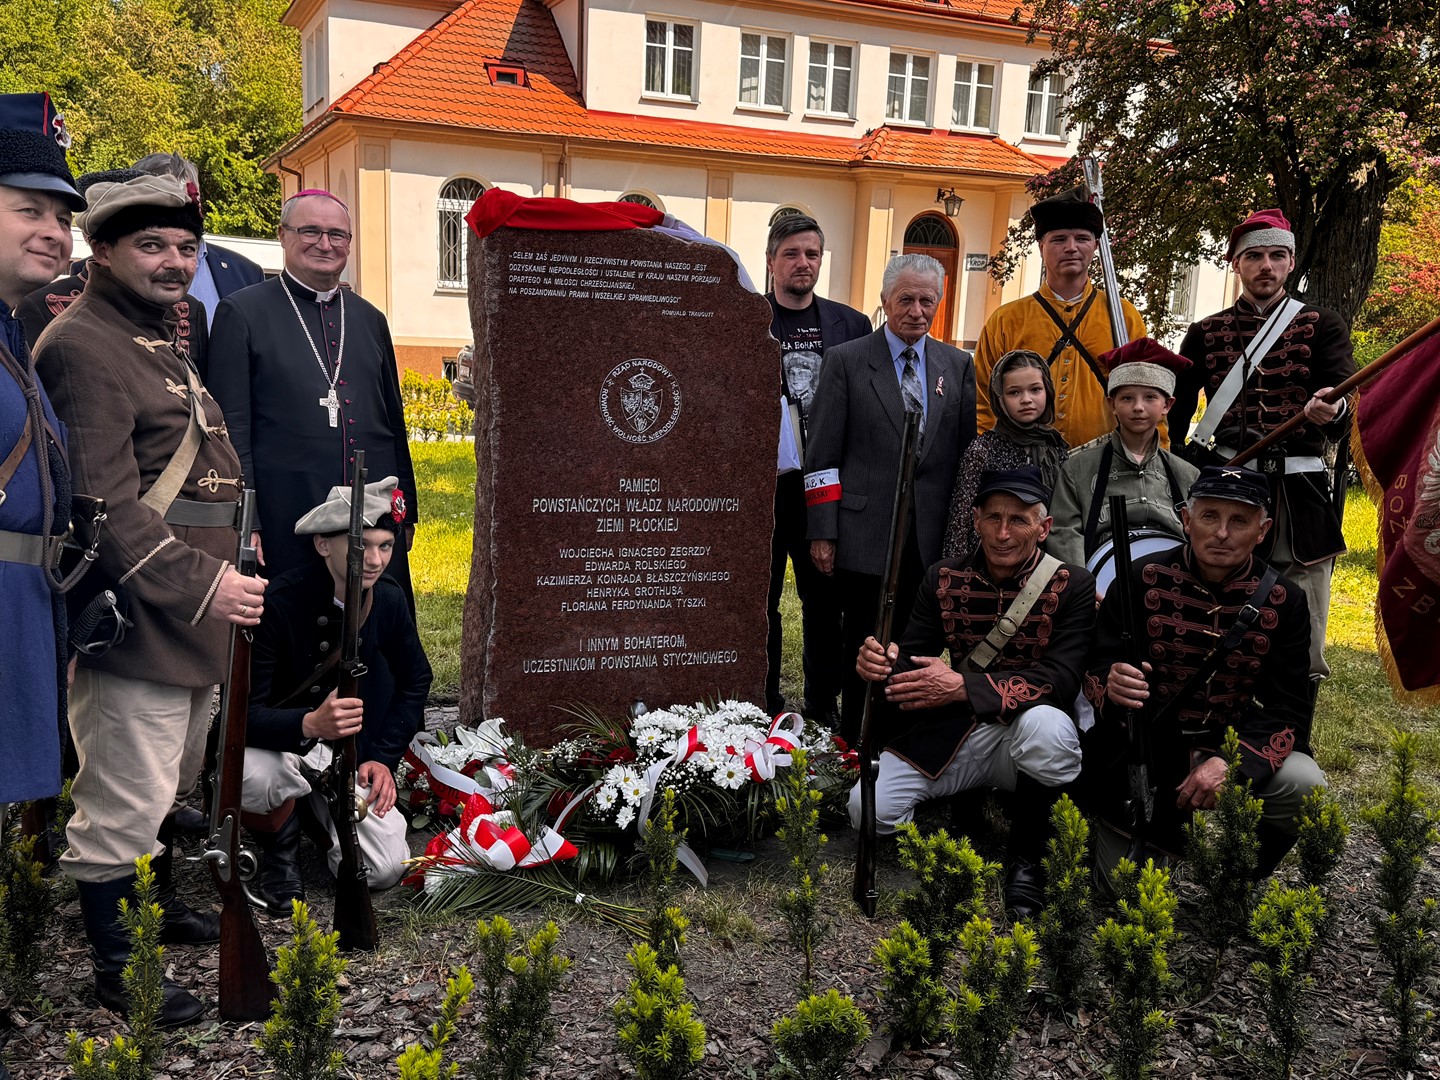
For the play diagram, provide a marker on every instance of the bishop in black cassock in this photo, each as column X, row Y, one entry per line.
column 273, row 376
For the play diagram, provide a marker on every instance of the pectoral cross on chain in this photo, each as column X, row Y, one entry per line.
column 332, row 404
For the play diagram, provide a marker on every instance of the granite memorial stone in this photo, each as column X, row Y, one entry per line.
column 626, row 415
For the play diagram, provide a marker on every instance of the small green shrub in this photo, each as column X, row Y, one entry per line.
column 515, row 997
column 911, row 991
column 799, row 811
column 986, row 1012
column 1286, row 927
column 1406, row 926
column 26, row 911
column 1223, row 846
column 819, row 1039
column 665, row 923
column 1323, row 834
column 655, row 1026
column 952, row 881
column 419, row 1062
column 299, row 1037
column 1066, row 922
column 432, row 411
column 1133, row 955
column 134, row 1058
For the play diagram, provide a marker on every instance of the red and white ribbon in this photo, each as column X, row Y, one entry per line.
column 487, row 839
column 455, row 786
column 765, row 759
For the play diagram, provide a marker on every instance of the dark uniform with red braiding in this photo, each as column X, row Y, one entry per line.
column 1261, row 689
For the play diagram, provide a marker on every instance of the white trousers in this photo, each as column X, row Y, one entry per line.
column 272, row 777
column 1041, row 742
column 140, row 746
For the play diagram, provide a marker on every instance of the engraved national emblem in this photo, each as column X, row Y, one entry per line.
column 640, row 401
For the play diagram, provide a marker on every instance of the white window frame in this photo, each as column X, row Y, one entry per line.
column 764, row 62
column 459, row 208
column 1047, row 93
column 671, row 50
column 316, row 63
column 907, row 86
column 967, row 123
column 846, row 111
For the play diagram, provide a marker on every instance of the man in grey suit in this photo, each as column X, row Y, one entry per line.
column 856, row 422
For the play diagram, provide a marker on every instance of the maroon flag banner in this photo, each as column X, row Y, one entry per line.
column 1396, row 444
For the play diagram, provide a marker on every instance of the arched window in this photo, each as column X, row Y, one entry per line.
column 929, row 231
column 642, row 199
column 784, row 212
column 456, row 198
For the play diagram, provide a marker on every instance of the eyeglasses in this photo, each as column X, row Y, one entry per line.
column 311, row 234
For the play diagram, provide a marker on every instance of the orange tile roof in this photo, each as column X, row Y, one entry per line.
column 440, row 78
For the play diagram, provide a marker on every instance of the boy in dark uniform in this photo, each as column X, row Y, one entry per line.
column 294, row 710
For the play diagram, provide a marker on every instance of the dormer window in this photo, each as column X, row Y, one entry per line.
column 507, row 74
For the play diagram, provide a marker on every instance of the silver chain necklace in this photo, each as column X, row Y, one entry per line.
column 330, row 403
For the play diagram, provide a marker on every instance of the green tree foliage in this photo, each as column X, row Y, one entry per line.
column 215, row 80
column 1204, row 110
column 1406, row 291
column 515, row 998
column 299, row 1037
column 1066, row 921
column 986, row 1012
column 951, row 880
column 134, row 1058
column 420, row 1062
column 1286, row 927
column 655, row 1025
column 1133, row 952
column 911, row 992
column 819, row 1039
column 1406, row 926
column 1223, row 845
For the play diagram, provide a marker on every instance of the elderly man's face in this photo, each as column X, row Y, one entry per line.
column 35, row 240
column 910, row 305
column 316, row 241
column 1223, row 534
column 156, row 264
column 1010, row 530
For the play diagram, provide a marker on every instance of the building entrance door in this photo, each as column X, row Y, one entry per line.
column 931, row 234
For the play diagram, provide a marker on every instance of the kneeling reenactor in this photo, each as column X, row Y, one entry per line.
column 1017, row 624
column 294, row 710
column 1226, row 643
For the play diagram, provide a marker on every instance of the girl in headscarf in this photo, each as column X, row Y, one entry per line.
column 1022, row 435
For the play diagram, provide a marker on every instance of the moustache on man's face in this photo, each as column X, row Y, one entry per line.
column 171, row 277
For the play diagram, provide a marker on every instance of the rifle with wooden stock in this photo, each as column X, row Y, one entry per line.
column 354, row 915
column 863, row 889
column 245, row 988
column 1140, row 805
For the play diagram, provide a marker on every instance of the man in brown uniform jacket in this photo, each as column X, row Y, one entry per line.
column 139, row 712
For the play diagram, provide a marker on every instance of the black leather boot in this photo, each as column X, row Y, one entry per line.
column 278, row 881
column 1029, row 833
column 110, row 952
column 1274, row 846
column 183, row 925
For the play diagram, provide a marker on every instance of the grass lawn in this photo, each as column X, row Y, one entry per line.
column 1354, row 717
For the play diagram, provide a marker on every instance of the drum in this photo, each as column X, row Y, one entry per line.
column 1143, row 542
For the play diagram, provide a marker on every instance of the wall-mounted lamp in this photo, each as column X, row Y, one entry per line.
column 951, row 201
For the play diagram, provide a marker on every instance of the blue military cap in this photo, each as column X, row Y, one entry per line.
column 33, row 141
column 1026, row 483
column 1232, row 482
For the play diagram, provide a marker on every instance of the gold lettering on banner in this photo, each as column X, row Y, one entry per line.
column 1423, row 605
column 212, row 480
column 1400, row 591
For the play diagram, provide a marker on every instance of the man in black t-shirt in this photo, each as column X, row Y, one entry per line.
column 805, row 325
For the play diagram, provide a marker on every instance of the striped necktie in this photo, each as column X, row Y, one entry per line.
column 910, row 389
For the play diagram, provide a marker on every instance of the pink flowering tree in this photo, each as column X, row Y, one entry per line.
column 1204, row 110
